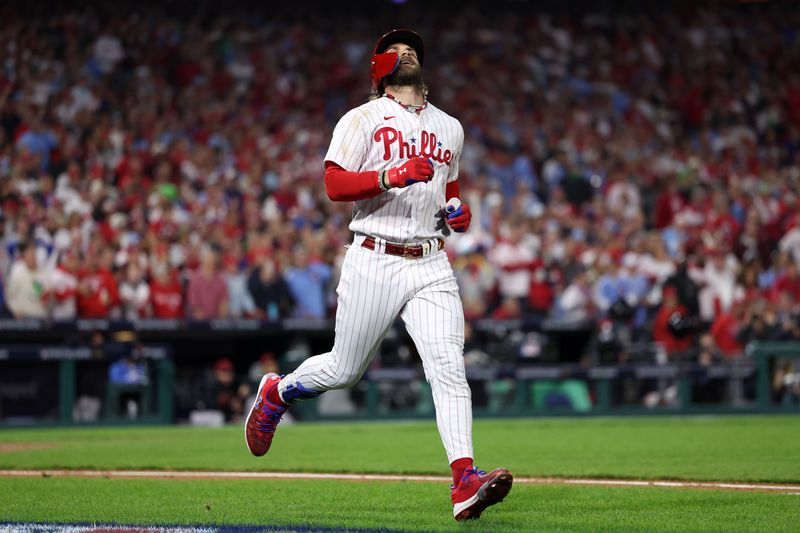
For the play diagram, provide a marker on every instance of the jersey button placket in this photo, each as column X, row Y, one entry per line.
column 419, row 193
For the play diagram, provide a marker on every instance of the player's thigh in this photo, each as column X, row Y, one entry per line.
column 371, row 293
column 434, row 318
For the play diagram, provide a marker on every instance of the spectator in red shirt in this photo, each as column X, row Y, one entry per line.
column 789, row 282
column 166, row 296
column 668, row 203
column 725, row 330
column 98, row 294
column 540, row 297
column 721, row 220
column 207, row 295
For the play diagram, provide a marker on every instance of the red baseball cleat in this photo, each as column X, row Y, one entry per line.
column 263, row 418
column 477, row 490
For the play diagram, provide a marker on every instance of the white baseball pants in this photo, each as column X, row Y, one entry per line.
column 373, row 290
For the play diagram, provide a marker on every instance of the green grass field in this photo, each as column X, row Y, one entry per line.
column 741, row 449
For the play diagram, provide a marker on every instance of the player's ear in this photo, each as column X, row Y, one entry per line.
column 383, row 65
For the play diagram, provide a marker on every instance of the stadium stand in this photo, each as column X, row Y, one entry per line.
column 634, row 176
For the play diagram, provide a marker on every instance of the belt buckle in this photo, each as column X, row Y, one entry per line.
column 407, row 253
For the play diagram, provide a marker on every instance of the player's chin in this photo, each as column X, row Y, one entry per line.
column 409, row 68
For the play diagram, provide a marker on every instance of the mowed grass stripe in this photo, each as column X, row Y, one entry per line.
column 736, row 449
column 390, row 505
column 173, row 474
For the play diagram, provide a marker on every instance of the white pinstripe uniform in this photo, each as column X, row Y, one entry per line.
column 376, row 287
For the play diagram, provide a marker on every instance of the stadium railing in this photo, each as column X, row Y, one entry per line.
column 514, row 388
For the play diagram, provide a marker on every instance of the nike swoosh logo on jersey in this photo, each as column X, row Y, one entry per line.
column 387, row 118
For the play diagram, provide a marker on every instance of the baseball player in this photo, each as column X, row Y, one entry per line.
column 396, row 157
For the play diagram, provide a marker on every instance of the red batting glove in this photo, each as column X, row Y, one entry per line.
column 411, row 172
column 460, row 218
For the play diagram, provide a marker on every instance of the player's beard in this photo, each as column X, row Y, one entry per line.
column 405, row 75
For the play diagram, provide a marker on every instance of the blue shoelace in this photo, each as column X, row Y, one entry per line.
column 269, row 424
column 467, row 473
column 270, row 420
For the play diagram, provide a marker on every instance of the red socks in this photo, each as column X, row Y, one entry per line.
column 274, row 397
column 458, row 466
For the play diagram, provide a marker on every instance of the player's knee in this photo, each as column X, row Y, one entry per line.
column 455, row 383
column 348, row 378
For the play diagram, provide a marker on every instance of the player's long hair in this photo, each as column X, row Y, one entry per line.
column 377, row 92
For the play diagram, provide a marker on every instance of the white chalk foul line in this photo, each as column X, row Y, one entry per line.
column 679, row 484
column 172, row 474
column 217, row 475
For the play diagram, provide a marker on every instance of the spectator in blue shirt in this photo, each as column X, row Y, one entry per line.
column 39, row 142
column 127, row 371
column 307, row 278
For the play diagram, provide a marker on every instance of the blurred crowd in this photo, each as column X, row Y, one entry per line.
column 639, row 173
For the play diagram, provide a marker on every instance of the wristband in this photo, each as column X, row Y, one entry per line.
column 382, row 180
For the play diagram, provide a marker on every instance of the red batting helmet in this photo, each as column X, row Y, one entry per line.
column 384, row 64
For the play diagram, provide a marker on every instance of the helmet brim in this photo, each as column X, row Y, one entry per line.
column 409, row 37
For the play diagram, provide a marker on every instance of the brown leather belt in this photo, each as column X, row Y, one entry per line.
column 409, row 251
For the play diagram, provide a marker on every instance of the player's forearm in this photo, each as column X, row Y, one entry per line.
column 451, row 190
column 344, row 186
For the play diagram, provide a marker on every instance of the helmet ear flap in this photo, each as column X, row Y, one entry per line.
column 383, row 65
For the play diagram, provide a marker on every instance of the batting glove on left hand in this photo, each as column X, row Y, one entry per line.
column 416, row 170
column 460, row 218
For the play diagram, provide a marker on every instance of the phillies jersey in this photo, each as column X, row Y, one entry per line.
column 166, row 299
column 382, row 134
column 63, row 287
